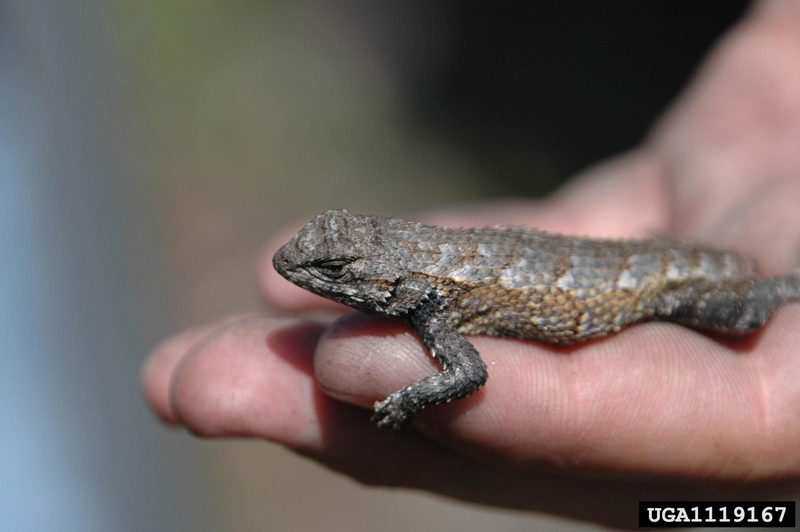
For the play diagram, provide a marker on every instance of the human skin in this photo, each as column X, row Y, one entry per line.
column 658, row 411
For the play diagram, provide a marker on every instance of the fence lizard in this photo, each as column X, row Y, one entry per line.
column 511, row 281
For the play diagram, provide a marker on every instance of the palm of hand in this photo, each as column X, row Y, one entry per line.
column 656, row 402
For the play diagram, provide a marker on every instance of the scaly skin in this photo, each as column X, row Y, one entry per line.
column 510, row 281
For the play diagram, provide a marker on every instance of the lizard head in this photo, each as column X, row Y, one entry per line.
column 347, row 257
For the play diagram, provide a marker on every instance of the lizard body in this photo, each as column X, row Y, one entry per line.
column 512, row 281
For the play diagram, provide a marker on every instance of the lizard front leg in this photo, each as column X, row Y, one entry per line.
column 463, row 370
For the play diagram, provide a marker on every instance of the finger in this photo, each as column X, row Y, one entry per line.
column 734, row 130
column 158, row 369
column 767, row 226
column 252, row 376
column 657, row 399
column 624, row 197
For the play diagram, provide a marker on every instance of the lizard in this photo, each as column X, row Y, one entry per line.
column 513, row 281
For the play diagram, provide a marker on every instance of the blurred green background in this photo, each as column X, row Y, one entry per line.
column 150, row 147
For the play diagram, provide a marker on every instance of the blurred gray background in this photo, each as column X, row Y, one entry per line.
column 148, row 148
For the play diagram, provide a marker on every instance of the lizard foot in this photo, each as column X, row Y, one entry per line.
column 395, row 412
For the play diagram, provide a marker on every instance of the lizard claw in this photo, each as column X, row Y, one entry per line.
column 394, row 413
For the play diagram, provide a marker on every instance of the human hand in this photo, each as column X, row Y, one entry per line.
column 658, row 411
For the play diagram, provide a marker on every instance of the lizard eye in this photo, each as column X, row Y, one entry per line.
column 330, row 269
